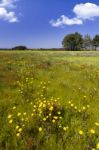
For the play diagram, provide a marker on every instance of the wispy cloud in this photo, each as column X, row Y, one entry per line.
column 7, row 12
column 87, row 11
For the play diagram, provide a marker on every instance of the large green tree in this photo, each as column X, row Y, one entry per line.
column 96, row 41
column 87, row 42
column 73, row 42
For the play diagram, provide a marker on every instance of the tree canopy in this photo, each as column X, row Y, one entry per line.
column 73, row 41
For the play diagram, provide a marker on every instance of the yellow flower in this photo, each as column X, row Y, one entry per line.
column 44, row 119
column 65, row 128
column 75, row 107
column 49, row 114
column 55, row 117
column 51, row 108
column 17, row 127
column 53, row 121
column 18, row 134
column 10, row 121
column 14, row 107
column 81, row 132
column 83, row 107
column 44, row 105
column 96, row 123
column 9, row 116
column 59, row 112
column 19, row 114
column 60, row 117
column 72, row 105
column 32, row 114
column 92, row 131
column 88, row 106
column 79, row 110
column 40, row 129
column 20, row 130
column 60, row 126
column 24, row 113
column 97, row 146
column 85, row 96
column 69, row 102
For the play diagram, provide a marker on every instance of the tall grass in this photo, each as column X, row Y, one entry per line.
column 49, row 100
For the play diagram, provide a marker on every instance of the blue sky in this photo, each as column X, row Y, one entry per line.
column 44, row 23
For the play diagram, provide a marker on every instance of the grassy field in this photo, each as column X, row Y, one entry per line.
column 49, row 100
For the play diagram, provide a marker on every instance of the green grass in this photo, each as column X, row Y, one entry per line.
column 35, row 84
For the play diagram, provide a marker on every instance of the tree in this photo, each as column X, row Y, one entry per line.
column 87, row 42
column 19, row 48
column 96, row 41
column 73, row 42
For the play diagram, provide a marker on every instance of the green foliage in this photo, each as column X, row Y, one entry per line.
column 73, row 42
column 96, row 41
column 19, row 48
column 87, row 42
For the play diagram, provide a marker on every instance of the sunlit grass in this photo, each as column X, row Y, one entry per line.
column 49, row 100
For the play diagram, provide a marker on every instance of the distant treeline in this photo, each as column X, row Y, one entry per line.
column 71, row 42
column 34, row 49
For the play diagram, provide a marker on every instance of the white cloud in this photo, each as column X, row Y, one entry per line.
column 63, row 20
column 87, row 11
column 5, row 11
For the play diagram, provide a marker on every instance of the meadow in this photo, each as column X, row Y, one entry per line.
column 49, row 100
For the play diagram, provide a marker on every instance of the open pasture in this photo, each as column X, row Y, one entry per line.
column 49, row 100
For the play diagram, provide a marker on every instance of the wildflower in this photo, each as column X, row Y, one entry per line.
column 83, row 107
column 14, row 107
column 81, row 132
column 34, row 110
column 55, row 117
column 97, row 146
column 88, row 106
column 34, row 106
column 96, row 123
column 40, row 129
column 79, row 110
column 22, row 119
column 10, row 121
column 24, row 113
column 92, row 131
column 60, row 117
column 18, row 134
column 59, row 112
column 19, row 114
column 9, row 116
column 51, row 108
column 44, row 119
column 20, row 130
column 60, row 126
column 65, row 128
column 17, row 127
column 53, row 121
column 69, row 102
column 44, row 105
column 49, row 114
column 72, row 105
column 32, row 114
column 75, row 107
column 85, row 96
